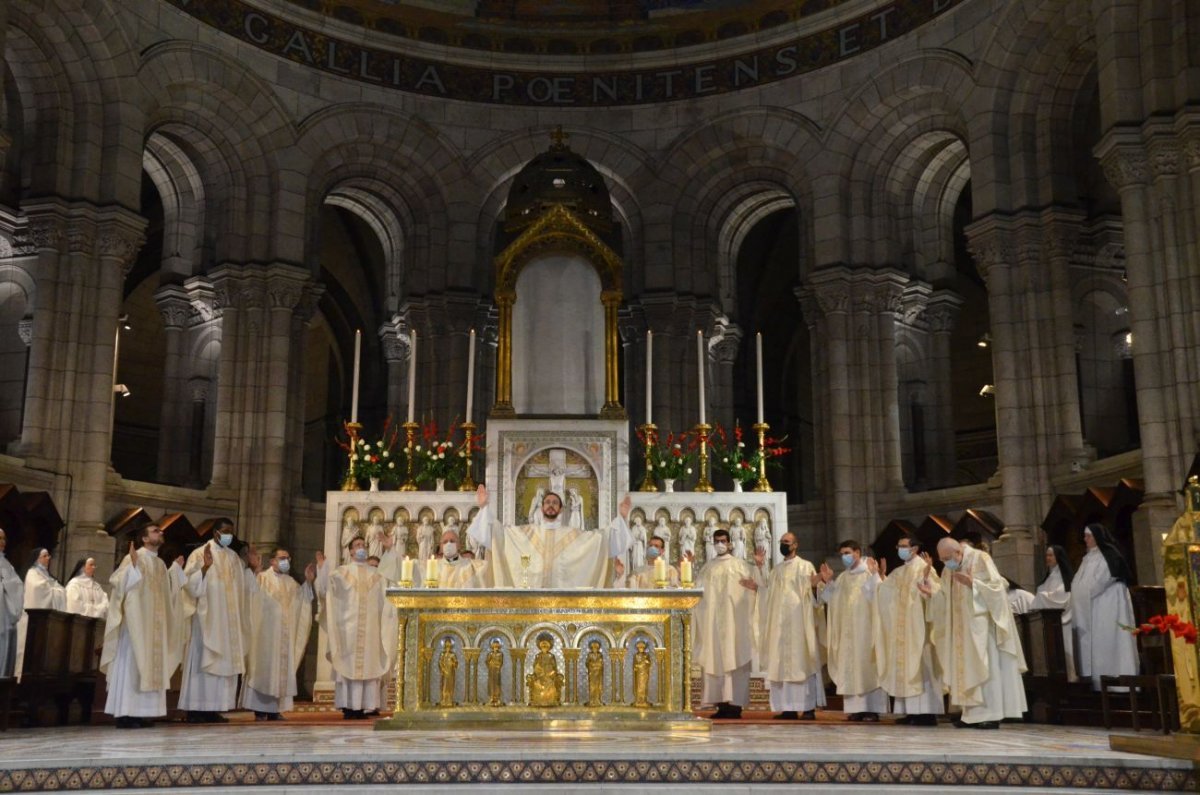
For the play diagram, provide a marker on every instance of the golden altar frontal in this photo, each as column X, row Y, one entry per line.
column 510, row 658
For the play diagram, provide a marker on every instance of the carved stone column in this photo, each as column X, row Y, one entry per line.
column 724, row 347
column 174, row 437
column 255, row 390
column 940, row 315
column 83, row 253
column 397, row 343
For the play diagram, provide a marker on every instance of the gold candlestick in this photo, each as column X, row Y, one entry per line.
column 650, row 435
column 350, row 481
column 763, row 484
column 703, row 484
column 410, row 437
column 468, row 483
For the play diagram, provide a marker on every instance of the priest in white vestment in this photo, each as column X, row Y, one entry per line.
column 214, row 601
column 280, row 621
column 454, row 569
column 548, row 554
column 1101, row 604
column 788, row 649
column 854, row 633
column 362, row 628
column 143, row 636
column 645, row 577
column 1054, row 593
column 974, row 637
column 723, row 625
column 85, row 596
column 906, row 657
column 12, row 607
column 42, row 592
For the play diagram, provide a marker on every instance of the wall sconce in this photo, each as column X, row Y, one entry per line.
column 987, row 390
column 121, row 390
column 985, row 341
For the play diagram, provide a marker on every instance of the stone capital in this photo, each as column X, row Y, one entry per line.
column 199, row 386
column 25, row 330
column 725, row 342
column 175, row 305
column 941, row 311
column 1123, row 158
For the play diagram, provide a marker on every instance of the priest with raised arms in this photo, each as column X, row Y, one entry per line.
column 559, row 556
column 906, row 661
column 974, row 636
column 143, row 636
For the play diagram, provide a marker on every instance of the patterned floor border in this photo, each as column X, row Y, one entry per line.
column 601, row 772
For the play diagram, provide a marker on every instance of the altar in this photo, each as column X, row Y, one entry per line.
column 505, row 658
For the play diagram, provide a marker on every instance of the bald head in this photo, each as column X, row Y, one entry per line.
column 948, row 548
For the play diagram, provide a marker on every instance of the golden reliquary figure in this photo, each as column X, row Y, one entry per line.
column 641, row 676
column 595, row 672
column 495, row 666
column 545, row 683
column 448, row 666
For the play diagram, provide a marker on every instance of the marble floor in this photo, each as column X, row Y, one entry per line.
column 289, row 757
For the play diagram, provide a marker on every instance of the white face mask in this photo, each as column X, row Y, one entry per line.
column 450, row 549
column 652, row 552
column 225, row 539
column 284, row 566
column 721, row 547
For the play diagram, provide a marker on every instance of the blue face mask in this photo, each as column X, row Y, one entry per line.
column 285, row 566
column 651, row 553
column 848, row 560
column 225, row 539
column 905, row 553
column 360, row 554
column 952, row 564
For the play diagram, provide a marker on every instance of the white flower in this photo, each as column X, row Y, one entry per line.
column 441, row 455
column 676, row 445
column 385, row 453
column 391, row 464
column 662, row 464
column 725, row 459
column 689, row 470
column 379, row 443
column 418, row 448
column 741, row 444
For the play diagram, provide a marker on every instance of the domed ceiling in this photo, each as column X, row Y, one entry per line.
column 566, row 53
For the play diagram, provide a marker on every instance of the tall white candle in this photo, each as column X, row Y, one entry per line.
column 700, row 369
column 649, row 371
column 412, row 374
column 357, row 369
column 758, row 363
column 470, row 374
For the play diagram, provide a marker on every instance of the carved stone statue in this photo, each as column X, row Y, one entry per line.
column 762, row 539
column 448, row 666
column 595, row 672
column 687, row 538
column 535, row 507
column 349, row 528
column 574, row 507
column 545, row 683
column 641, row 676
column 637, row 551
column 426, row 535
column 737, row 537
column 376, row 532
column 495, row 667
column 710, row 527
column 400, row 537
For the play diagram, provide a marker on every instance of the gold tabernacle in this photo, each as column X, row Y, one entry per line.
column 634, row 646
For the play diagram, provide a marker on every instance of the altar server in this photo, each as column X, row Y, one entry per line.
column 788, row 649
column 280, row 621
column 143, row 636
column 724, row 624
column 85, row 596
column 1054, row 593
column 362, row 627
column 974, row 636
column 12, row 605
column 854, row 632
column 906, row 656
column 214, row 601
column 1100, row 605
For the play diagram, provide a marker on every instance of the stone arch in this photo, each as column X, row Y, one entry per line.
column 74, row 71
column 235, row 131
column 181, row 189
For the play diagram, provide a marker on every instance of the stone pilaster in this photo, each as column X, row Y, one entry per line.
column 940, row 316
column 853, row 313
column 83, row 254
column 724, row 347
column 174, row 448
column 1156, row 170
column 397, row 343
column 255, row 390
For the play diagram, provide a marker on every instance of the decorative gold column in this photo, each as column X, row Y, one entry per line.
column 612, row 410
column 503, row 406
column 471, row 691
column 571, row 661
column 398, row 671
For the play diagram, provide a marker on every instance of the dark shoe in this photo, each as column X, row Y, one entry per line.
column 216, row 717
column 869, row 717
column 195, row 716
column 372, row 714
column 260, row 715
column 128, row 723
column 905, row 720
column 274, row 716
column 958, row 723
column 787, row 715
column 987, row 724
column 923, row 720
column 808, row 714
column 857, row 716
column 347, row 713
